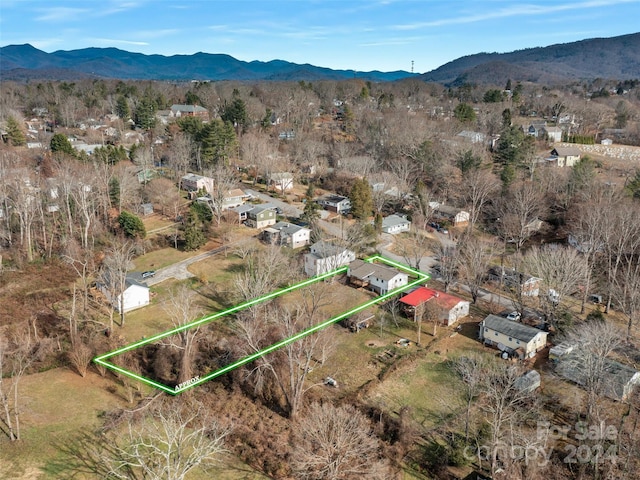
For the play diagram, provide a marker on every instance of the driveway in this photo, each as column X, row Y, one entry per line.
column 286, row 208
column 180, row 271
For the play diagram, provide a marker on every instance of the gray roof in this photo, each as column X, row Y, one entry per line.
column 448, row 210
column 332, row 198
column 187, row 108
column 257, row 209
column 287, row 228
column 566, row 151
column 361, row 269
column 324, row 249
column 516, row 330
column 573, row 366
column 247, row 207
column 394, row 220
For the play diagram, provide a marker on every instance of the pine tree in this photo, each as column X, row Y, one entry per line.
column 122, row 108
column 193, row 236
column 361, row 199
column 15, row 135
column 311, row 212
column 131, row 225
column 60, row 143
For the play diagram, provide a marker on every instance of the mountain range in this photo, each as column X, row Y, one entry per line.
column 25, row 62
column 614, row 58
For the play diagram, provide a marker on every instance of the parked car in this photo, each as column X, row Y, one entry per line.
column 514, row 316
column 148, row 274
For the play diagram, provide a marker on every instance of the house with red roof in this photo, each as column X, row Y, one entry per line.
column 451, row 308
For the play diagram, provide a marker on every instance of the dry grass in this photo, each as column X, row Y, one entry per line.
column 56, row 405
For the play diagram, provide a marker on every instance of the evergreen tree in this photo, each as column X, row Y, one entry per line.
column 114, row 191
column 236, row 114
column 311, row 212
column 506, row 118
column 191, row 98
column 361, row 199
column 145, row 116
column 493, row 96
column 60, row 143
column 467, row 161
column 15, row 135
column 131, row 225
column 190, row 125
column 514, row 146
column 218, row 141
column 632, row 186
column 377, row 223
column 193, row 236
column 464, row 113
column 122, row 108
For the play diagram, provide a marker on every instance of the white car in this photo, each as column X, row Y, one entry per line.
column 514, row 316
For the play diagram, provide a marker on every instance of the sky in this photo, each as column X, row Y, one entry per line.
column 363, row 35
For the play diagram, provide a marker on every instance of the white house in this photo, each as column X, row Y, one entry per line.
column 456, row 216
column 234, row 198
column 395, row 224
column 378, row 278
column 473, row 137
column 335, row 203
column 325, row 256
column 512, row 337
column 554, row 134
column 281, row 181
column 192, row 183
column 565, row 156
column 135, row 295
column 284, row 233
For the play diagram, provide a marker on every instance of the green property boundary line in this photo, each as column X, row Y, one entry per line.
column 102, row 359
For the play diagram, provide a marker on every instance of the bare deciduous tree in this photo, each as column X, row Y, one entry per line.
column 224, row 180
column 475, row 257
column 518, row 209
column 594, row 342
column 561, row 270
column 332, row 443
column 168, row 442
column 505, row 406
column 15, row 358
column 114, row 276
column 414, row 246
column 181, row 307
column 478, row 186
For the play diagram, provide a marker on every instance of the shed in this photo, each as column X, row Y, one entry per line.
column 528, row 382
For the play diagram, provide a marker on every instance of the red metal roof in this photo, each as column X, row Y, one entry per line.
column 424, row 294
column 419, row 296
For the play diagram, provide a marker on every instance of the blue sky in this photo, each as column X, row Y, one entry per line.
column 362, row 35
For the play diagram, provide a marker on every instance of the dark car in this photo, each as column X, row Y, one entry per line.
column 148, row 274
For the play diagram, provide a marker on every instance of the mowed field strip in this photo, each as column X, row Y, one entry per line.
column 106, row 359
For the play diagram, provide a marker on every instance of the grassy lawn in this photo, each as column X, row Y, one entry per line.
column 56, row 405
column 78, row 403
column 156, row 221
column 161, row 258
column 427, row 385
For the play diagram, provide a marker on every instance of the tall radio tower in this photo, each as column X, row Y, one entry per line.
column 411, row 66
